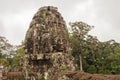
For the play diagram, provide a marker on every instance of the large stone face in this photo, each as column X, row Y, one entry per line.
column 47, row 32
column 47, row 45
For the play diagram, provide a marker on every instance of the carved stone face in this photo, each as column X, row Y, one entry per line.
column 47, row 31
column 46, row 44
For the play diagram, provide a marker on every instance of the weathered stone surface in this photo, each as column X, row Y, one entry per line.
column 47, row 46
column 47, row 32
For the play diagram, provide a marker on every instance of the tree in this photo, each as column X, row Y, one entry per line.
column 79, row 34
column 17, row 58
column 96, row 56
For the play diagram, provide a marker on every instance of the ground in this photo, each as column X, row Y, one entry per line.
column 78, row 75
column 69, row 75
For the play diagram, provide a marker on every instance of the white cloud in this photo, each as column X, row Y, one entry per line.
column 16, row 16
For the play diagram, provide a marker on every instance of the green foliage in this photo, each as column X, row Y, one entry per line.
column 64, row 67
column 17, row 58
column 98, row 57
column 91, row 69
column 4, row 61
column 42, row 78
column 78, row 39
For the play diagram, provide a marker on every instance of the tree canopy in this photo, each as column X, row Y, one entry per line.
column 96, row 56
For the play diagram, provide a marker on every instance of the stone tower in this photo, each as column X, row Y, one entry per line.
column 47, row 45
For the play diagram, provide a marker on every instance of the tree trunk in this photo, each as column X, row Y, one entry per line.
column 81, row 68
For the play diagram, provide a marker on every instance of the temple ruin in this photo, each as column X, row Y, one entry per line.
column 47, row 46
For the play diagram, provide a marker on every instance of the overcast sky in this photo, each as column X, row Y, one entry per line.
column 15, row 16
